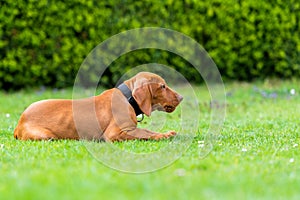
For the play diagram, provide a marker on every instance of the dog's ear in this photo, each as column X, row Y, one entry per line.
column 142, row 96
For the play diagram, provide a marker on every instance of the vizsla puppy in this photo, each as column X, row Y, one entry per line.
column 110, row 116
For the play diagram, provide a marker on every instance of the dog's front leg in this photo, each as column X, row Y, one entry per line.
column 143, row 134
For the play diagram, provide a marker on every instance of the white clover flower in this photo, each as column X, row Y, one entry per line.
column 295, row 145
column 293, row 91
column 180, row 172
column 201, row 144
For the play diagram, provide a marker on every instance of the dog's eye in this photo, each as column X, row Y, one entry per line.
column 162, row 86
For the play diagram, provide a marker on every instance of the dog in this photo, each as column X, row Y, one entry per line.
column 110, row 116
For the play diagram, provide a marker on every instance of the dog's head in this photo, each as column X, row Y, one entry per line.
column 152, row 93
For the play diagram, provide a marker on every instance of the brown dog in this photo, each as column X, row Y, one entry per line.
column 110, row 116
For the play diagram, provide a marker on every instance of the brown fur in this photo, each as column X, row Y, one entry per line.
column 107, row 116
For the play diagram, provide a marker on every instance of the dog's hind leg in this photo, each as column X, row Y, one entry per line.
column 34, row 134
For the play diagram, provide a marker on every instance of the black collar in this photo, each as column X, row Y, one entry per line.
column 127, row 93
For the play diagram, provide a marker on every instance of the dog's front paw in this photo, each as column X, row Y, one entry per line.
column 164, row 135
column 170, row 134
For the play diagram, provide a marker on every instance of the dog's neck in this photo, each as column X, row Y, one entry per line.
column 128, row 94
column 130, row 83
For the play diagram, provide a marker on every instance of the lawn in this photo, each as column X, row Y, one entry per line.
column 256, row 156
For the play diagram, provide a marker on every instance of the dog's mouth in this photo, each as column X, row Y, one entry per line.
column 169, row 108
column 166, row 108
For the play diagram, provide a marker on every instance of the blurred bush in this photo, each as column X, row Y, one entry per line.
column 44, row 42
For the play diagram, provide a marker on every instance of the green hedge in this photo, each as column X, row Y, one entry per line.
column 44, row 42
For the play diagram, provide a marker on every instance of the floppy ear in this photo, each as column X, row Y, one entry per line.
column 142, row 96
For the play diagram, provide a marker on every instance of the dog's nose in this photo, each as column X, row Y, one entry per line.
column 179, row 97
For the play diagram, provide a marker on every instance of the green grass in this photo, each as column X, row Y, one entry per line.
column 256, row 156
